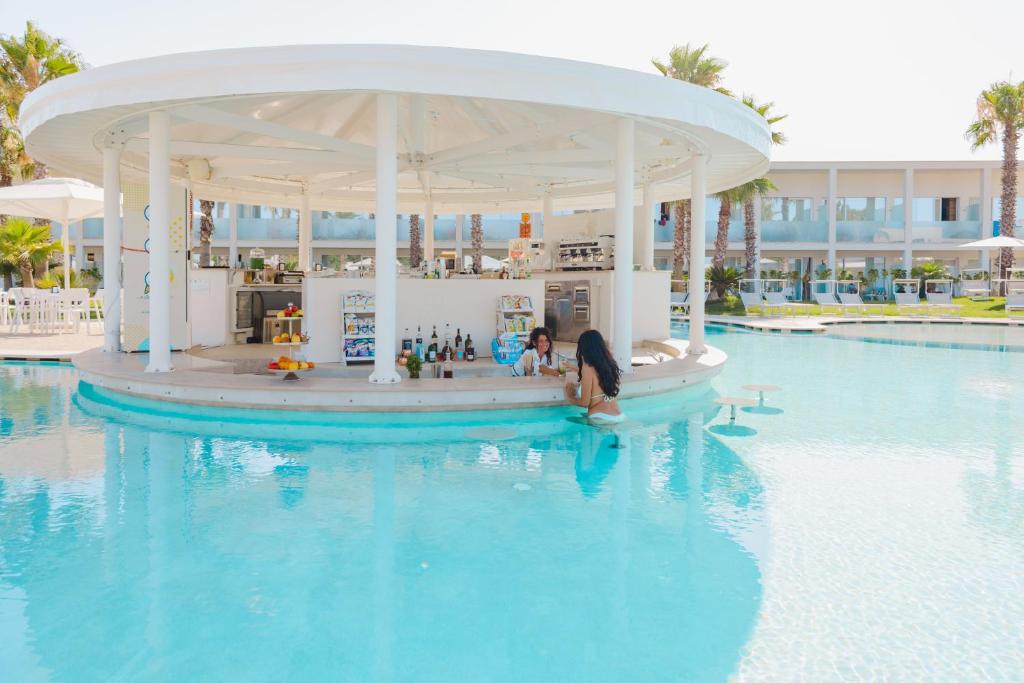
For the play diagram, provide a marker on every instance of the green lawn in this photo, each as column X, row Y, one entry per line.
column 970, row 309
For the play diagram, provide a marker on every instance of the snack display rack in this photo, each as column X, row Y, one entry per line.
column 515, row 315
column 358, row 326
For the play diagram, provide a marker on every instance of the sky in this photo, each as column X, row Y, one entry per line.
column 866, row 80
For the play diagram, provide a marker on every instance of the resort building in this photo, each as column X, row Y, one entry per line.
column 848, row 215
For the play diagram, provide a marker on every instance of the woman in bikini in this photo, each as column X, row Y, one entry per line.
column 598, row 379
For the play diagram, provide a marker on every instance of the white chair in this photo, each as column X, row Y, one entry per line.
column 96, row 303
column 37, row 309
column 75, row 307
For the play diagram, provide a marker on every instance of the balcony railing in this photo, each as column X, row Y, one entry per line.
column 268, row 229
column 794, row 231
column 946, row 231
column 869, row 231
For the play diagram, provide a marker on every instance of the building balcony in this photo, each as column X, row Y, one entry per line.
column 793, row 231
column 874, row 232
column 930, row 232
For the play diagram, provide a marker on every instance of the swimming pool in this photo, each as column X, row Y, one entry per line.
column 875, row 521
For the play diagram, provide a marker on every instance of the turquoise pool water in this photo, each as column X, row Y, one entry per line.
column 874, row 526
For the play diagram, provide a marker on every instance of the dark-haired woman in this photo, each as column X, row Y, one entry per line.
column 540, row 357
column 598, row 380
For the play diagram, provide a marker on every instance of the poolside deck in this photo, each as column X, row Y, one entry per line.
column 62, row 347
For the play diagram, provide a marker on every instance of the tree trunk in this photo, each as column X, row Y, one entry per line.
column 8, row 280
column 681, row 239
column 1008, row 210
column 476, row 233
column 205, row 231
column 27, row 279
column 415, row 245
column 722, row 238
column 750, row 237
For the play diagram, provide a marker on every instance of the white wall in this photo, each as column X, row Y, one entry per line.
column 470, row 305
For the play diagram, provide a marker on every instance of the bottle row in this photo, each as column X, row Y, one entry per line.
column 436, row 349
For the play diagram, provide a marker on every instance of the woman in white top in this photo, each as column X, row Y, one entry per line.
column 539, row 358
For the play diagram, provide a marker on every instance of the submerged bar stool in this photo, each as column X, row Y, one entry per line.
column 761, row 390
column 733, row 429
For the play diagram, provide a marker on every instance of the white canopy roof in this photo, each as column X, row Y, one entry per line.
column 996, row 242
column 481, row 131
column 63, row 200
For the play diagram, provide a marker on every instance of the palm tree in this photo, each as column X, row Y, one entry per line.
column 692, row 65
column 745, row 194
column 722, row 280
column 205, row 230
column 726, row 198
column 681, row 239
column 1001, row 109
column 27, row 62
column 25, row 246
column 758, row 187
column 415, row 245
column 476, row 237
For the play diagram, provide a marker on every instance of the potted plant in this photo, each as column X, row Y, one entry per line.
column 413, row 364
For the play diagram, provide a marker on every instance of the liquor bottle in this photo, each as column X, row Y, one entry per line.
column 470, row 351
column 432, row 349
column 419, row 343
column 406, row 342
column 446, row 352
column 460, row 350
column 449, row 371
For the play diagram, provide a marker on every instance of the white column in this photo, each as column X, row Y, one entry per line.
column 548, row 214
column 698, row 191
column 428, row 230
column 986, row 213
column 80, row 245
column 830, row 207
column 647, row 230
column 233, row 234
column 386, row 240
column 65, row 238
column 159, row 242
column 305, row 234
column 908, row 219
column 622, row 324
column 111, row 249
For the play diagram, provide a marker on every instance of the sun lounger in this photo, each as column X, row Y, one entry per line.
column 679, row 305
column 751, row 301
column 942, row 302
column 852, row 302
column 777, row 302
column 910, row 304
column 827, row 300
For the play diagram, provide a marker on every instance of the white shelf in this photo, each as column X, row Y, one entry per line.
column 358, row 358
column 347, row 312
column 359, row 336
column 290, row 343
column 518, row 310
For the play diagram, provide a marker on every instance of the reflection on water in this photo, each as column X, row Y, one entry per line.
column 133, row 549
